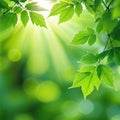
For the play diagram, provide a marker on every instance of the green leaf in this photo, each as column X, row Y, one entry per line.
column 83, row 36
column 106, row 23
column 89, row 5
column 24, row 17
column 105, row 74
column 8, row 20
column 58, row 8
column 37, row 19
column 17, row 9
column 103, row 54
column 23, row 0
column 80, row 38
column 99, row 26
column 87, row 69
column 68, row 1
column 33, row 6
column 92, row 39
column 116, row 10
column 66, row 14
column 94, row 7
column 110, row 55
column 78, row 9
column 117, row 55
column 90, row 30
column 87, row 81
column 107, row 1
column 89, row 58
column 18, row 0
column 3, row 4
column 115, row 34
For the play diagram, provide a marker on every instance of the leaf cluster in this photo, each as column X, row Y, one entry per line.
column 66, row 10
column 26, row 10
column 106, row 16
column 90, row 77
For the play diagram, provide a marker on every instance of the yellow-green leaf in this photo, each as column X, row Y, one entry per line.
column 78, row 9
column 66, row 14
column 80, row 38
column 33, row 6
column 24, row 17
column 58, row 8
column 105, row 74
column 89, row 58
column 37, row 19
column 87, row 81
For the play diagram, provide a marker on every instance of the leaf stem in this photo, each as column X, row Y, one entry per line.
column 107, row 8
column 19, row 3
column 9, row 9
column 111, row 43
column 110, row 3
column 109, row 37
column 106, row 45
column 108, row 40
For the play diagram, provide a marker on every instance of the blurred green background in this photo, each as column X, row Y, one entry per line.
column 37, row 66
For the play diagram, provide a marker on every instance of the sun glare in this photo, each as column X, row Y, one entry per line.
column 45, row 4
column 45, row 49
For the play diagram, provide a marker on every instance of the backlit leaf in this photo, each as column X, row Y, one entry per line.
column 81, row 38
column 17, row 9
column 78, row 9
column 33, row 6
column 105, row 74
column 117, row 55
column 110, row 55
column 87, row 81
column 103, row 54
column 58, row 8
column 8, row 20
column 24, row 17
column 92, row 39
column 3, row 4
column 66, row 14
column 37, row 19
column 89, row 58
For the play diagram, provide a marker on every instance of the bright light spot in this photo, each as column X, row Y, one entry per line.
column 86, row 107
column 47, row 91
column 38, row 61
column 44, row 3
column 14, row 55
column 116, row 117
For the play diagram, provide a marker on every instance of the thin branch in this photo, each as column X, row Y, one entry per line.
column 12, row 7
column 106, row 45
column 111, row 43
column 9, row 9
column 110, row 3
column 109, row 36
column 19, row 3
column 107, row 8
column 108, row 40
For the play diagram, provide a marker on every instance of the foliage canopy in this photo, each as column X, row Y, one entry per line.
column 107, row 22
